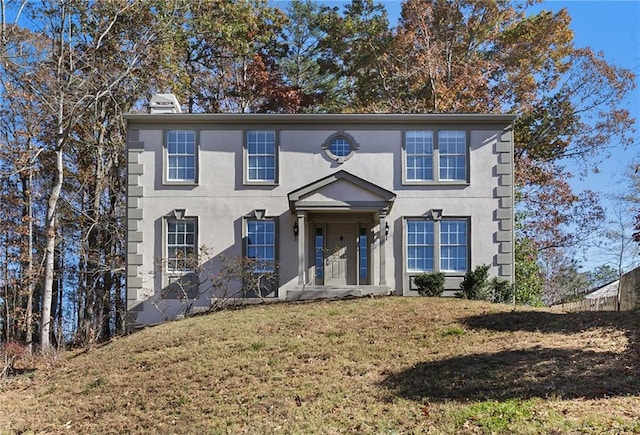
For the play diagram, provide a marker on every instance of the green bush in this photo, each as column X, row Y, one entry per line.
column 474, row 285
column 430, row 284
column 528, row 285
column 500, row 291
column 477, row 285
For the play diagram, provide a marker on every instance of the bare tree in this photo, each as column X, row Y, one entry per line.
column 67, row 65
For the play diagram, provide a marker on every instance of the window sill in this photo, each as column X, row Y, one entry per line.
column 446, row 274
column 179, row 183
column 260, row 183
column 436, row 183
column 175, row 277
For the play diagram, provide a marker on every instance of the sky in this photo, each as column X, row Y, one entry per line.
column 612, row 27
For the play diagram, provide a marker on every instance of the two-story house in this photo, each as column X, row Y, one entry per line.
column 332, row 204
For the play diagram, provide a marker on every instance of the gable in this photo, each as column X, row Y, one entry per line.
column 341, row 190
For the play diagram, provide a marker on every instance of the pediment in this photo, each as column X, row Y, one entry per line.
column 341, row 190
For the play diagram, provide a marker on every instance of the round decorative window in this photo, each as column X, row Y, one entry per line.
column 340, row 147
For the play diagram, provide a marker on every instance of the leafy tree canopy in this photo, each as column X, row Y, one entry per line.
column 69, row 69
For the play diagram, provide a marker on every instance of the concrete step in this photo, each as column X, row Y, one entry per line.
column 335, row 292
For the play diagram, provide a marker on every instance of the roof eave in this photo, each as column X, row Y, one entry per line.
column 362, row 118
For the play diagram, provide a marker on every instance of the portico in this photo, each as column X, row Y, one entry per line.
column 341, row 220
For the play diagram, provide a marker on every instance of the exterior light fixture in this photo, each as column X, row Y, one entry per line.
column 386, row 230
column 295, row 229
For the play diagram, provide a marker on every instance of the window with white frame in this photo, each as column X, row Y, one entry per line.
column 437, row 246
column 261, row 244
column 419, row 155
column 435, row 157
column 340, row 147
column 452, row 150
column 181, row 156
column 453, row 245
column 261, row 156
column 420, row 244
column 181, row 244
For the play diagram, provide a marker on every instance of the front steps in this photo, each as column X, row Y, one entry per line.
column 313, row 292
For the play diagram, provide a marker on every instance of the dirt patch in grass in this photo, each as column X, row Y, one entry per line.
column 403, row 365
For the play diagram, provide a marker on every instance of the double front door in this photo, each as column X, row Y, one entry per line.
column 341, row 254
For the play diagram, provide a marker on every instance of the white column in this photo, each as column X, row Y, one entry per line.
column 302, row 252
column 383, row 256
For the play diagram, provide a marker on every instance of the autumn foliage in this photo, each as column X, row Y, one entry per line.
column 68, row 70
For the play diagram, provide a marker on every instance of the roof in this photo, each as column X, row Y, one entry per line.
column 333, row 118
column 610, row 289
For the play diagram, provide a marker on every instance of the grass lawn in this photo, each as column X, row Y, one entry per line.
column 384, row 365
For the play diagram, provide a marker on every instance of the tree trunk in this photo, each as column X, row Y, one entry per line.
column 7, row 306
column 120, row 319
column 50, row 234
column 27, row 257
column 106, row 305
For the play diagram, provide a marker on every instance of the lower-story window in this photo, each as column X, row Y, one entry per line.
column 453, row 245
column 261, row 250
column 363, row 255
column 261, row 244
column 319, row 251
column 181, row 245
column 437, row 246
column 420, row 244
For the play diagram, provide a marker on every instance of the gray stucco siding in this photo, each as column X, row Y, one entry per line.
column 221, row 198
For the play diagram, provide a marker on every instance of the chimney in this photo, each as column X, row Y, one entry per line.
column 164, row 103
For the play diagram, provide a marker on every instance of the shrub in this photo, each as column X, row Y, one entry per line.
column 501, row 291
column 430, row 284
column 528, row 278
column 9, row 353
column 477, row 285
column 474, row 285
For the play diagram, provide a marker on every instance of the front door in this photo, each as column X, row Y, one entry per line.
column 340, row 264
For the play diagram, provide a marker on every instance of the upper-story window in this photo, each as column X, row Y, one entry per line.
column 340, row 147
column 419, row 155
column 431, row 157
column 181, row 156
column 452, row 147
column 261, row 156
